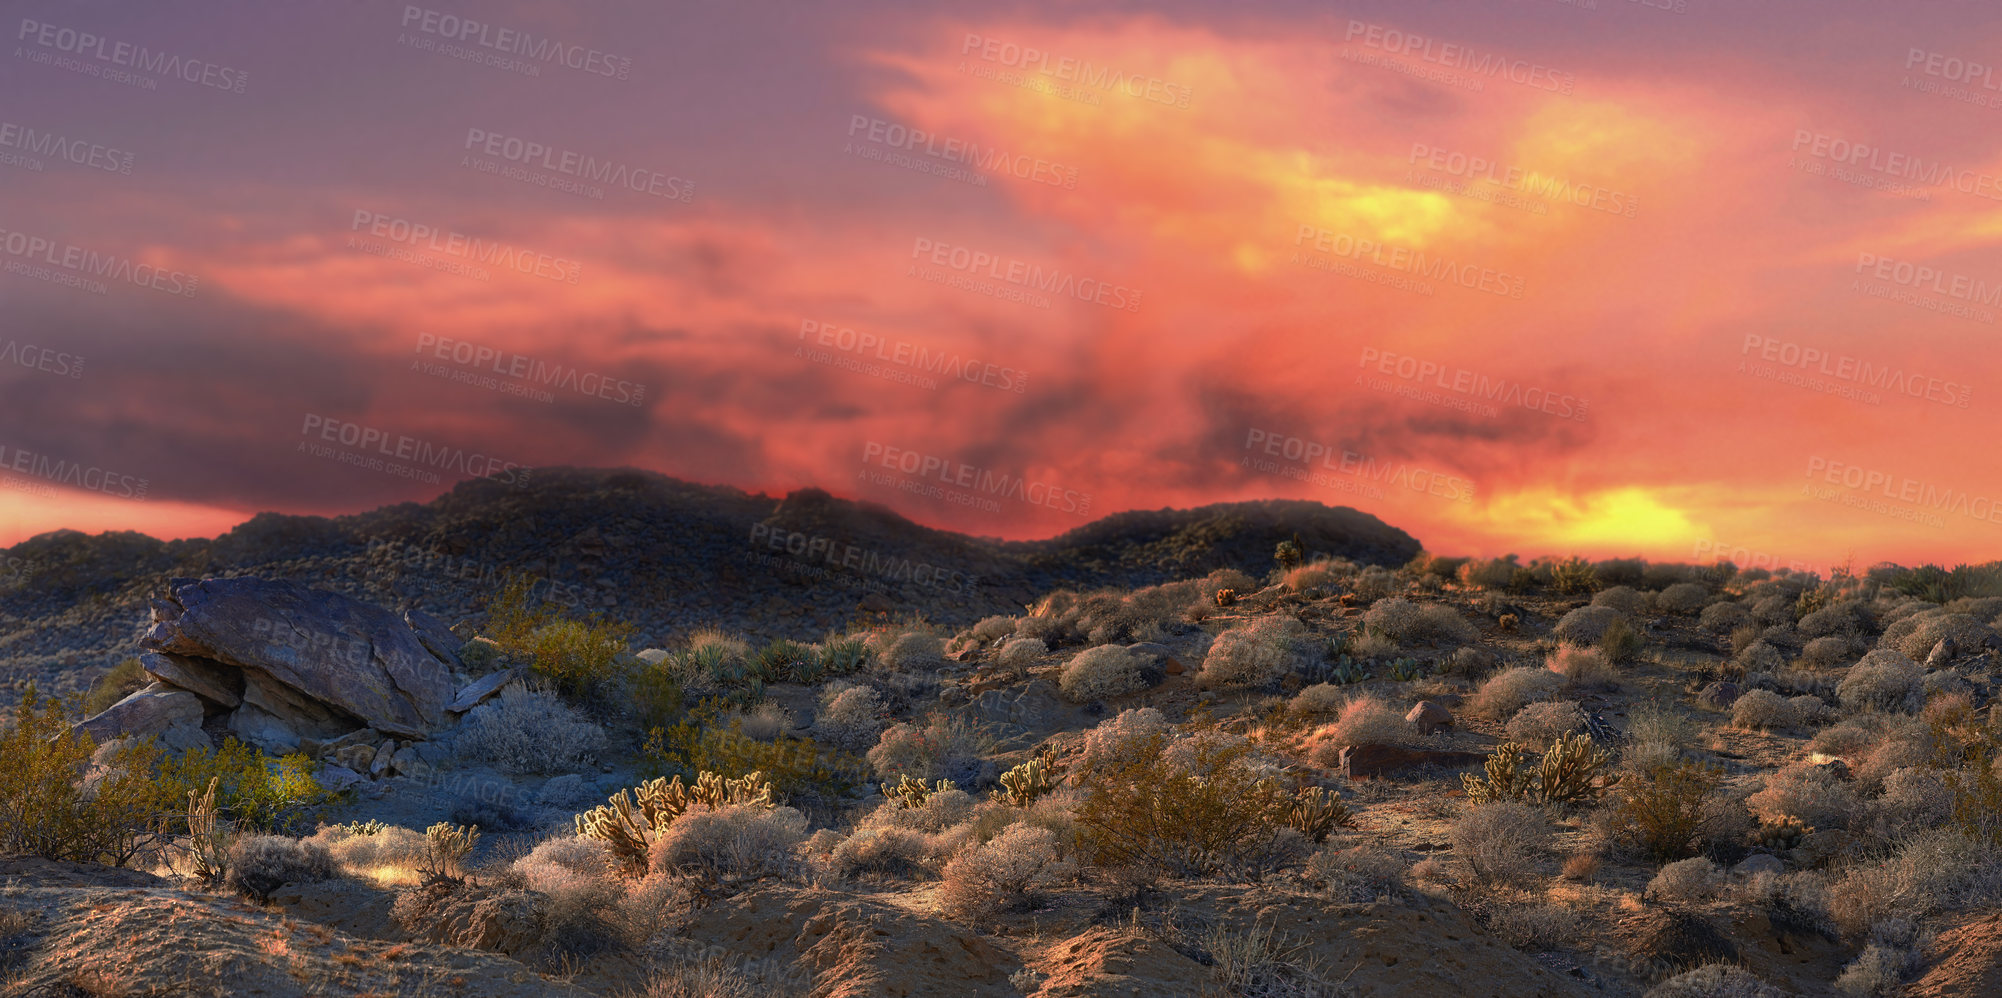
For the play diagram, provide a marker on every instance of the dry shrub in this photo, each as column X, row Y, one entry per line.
column 1584, row 668
column 716, row 975
column 1255, row 654
column 1007, row 873
column 1358, row 874
column 912, row 650
column 1200, row 810
column 1490, row 573
column 1505, row 693
column 1021, row 653
column 1764, row 709
column 1807, row 792
column 1371, row 645
column 1109, row 741
column 557, row 863
column 737, row 840
column 1825, row 652
column 1914, row 800
column 1693, row 881
column 1661, row 813
column 261, row 864
column 1318, row 699
column 898, row 853
column 1625, row 599
column 1885, row 680
column 1585, row 625
column 1539, row 724
column 1502, row 841
column 1916, row 635
column 1715, row 980
column 1407, row 622
column 1682, row 598
column 1722, row 618
column 1581, row 867
column 1102, row 673
column 991, row 629
column 1938, row 873
column 850, row 718
column 1318, row 575
column 527, row 731
column 942, row 747
column 1535, row 927
column 1366, row 720
column 1657, row 735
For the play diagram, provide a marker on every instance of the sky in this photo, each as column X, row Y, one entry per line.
column 1683, row 279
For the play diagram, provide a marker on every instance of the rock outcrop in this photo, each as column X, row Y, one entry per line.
column 277, row 663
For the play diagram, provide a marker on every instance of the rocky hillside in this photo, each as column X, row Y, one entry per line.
column 663, row 554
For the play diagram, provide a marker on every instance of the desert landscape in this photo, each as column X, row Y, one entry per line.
column 1249, row 749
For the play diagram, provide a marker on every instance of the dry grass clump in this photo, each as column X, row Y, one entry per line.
column 1625, row 599
column 1256, row 654
column 1722, row 617
column 1765, row 710
column 1490, row 573
column 1371, row 645
column 1914, row 800
column 1886, row 680
column 912, row 649
column 1585, row 625
column 1534, row 927
column 1109, row 740
column 387, row 853
column 1502, row 841
column 887, row 851
column 1939, row 872
column 850, row 718
column 737, row 840
column 1312, row 576
column 1101, row 673
column 1657, row 735
column 1583, row 668
column 1006, row 873
column 1358, row 874
column 1540, row 724
column 1407, row 622
column 1507, row 692
column 1827, row 652
column 561, row 862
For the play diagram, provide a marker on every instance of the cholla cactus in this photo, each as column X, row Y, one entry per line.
column 1316, row 813
column 446, row 849
column 1026, row 783
column 912, row 794
column 1571, row 770
column 1288, row 554
column 1779, row 835
column 630, row 820
column 1226, row 597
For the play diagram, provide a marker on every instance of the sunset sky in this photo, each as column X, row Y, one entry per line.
column 1594, row 277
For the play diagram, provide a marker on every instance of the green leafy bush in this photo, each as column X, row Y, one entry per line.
column 45, row 808
column 256, row 791
column 1661, row 812
column 700, row 743
column 574, row 654
column 123, row 680
column 1196, row 813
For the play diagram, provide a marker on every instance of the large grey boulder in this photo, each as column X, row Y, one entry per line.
column 350, row 661
column 150, row 711
column 434, row 636
column 218, row 684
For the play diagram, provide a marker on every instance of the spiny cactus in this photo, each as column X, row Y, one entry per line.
column 630, row 820
column 1226, row 597
column 1572, row 769
column 1288, row 554
column 1026, row 783
column 1315, row 813
column 1781, row 834
column 912, row 794
column 446, row 849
